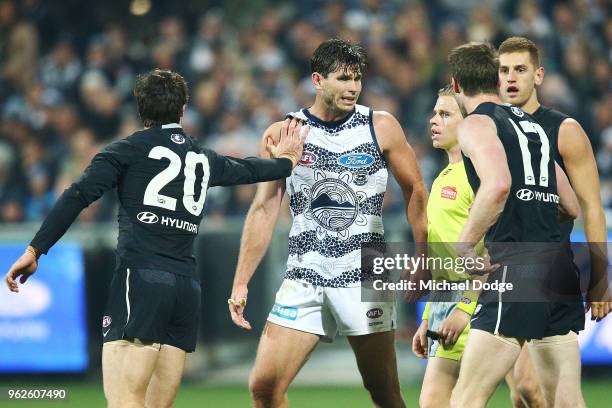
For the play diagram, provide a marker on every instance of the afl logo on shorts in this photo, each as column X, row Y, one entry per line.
column 177, row 138
column 308, row 159
column 106, row 321
column 517, row 111
column 147, row 217
column 374, row 313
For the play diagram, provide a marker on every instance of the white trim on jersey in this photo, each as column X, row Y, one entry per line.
column 127, row 295
column 171, row 126
column 499, row 304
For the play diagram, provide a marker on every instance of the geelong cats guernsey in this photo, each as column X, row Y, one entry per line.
column 336, row 197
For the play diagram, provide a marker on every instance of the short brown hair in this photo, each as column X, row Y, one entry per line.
column 449, row 91
column 334, row 54
column 475, row 67
column 160, row 96
column 518, row 44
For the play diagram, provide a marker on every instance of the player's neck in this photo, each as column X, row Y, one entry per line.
column 532, row 103
column 322, row 112
column 472, row 102
column 454, row 154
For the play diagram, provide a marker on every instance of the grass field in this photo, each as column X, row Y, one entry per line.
column 89, row 394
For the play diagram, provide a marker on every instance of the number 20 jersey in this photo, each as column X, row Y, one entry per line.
column 162, row 176
column 531, row 210
column 336, row 196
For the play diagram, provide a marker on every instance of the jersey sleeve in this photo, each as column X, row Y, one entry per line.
column 102, row 175
column 229, row 171
column 425, row 315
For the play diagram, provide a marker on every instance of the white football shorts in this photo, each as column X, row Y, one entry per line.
column 326, row 311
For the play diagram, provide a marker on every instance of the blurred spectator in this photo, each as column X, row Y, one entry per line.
column 61, row 68
column 245, row 73
column 19, row 48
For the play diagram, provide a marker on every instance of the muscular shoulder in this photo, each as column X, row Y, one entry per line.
column 273, row 131
column 572, row 138
column 387, row 128
column 476, row 122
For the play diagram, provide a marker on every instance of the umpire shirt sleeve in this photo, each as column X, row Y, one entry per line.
column 102, row 175
column 229, row 171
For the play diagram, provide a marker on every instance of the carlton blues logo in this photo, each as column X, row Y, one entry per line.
column 177, row 138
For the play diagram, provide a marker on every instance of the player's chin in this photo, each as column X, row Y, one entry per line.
column 346, row 106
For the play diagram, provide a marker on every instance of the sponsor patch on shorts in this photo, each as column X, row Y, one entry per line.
column 284, row 312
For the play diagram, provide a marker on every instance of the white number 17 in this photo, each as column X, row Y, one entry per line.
column 530, row 127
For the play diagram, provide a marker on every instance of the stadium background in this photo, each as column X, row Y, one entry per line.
column 66, row 73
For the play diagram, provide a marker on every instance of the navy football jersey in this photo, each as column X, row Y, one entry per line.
column 551, row 120
column 531, row 210
column 161, row 176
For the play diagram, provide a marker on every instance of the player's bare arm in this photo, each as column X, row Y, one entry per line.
column 568, row 202
column 477, row 136
column 403, row 163
column 577, row 153
column 260, row 223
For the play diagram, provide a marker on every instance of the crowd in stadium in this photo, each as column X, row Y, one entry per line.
column 67, row 73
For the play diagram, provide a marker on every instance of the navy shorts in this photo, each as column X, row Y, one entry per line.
column 153, row 306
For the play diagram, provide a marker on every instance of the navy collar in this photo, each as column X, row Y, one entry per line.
column 329, row 124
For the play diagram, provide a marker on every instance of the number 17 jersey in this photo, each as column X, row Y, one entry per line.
column 531, row 210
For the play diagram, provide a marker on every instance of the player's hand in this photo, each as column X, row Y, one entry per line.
column 237, row 305
column 452, row 327
column 599, row 302
column 473, row 264
column 22, row 268
column 419, row 279
column 419, row 341
column 599, row 310
column 291, row 143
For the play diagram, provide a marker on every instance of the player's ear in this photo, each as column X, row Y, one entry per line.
column 316, row 80
column 455, row 85
column 539, row 76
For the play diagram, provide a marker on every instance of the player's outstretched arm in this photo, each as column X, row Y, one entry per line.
column 477, row 136
column 283, row 155
column 101, row 175
column 257, row 232
column 403, row 164
column 577, row 153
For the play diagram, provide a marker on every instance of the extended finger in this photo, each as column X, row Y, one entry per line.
column 284, row 128
column 292, row 126
column 595, row 310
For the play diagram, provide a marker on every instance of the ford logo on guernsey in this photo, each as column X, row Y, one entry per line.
column 356, row 160
column 147, row 217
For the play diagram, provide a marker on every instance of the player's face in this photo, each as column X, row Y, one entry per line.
column 518, row 77
column 446, row 117
column 340, row 90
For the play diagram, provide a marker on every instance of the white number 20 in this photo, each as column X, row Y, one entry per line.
column 530, row 127
column 192, row 159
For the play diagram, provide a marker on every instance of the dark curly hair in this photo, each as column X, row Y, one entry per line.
column 160, row 97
